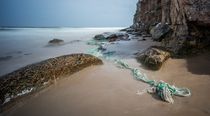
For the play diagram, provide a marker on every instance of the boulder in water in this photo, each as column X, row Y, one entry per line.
column 112, row 36
column 56, row 42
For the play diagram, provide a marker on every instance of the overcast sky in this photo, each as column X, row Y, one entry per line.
column 72, row 13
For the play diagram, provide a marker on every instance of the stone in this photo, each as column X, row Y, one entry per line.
column 56, row 42
column 100, row 37
column 153, row 57
column 39, row 75
column 117, row 36
column 111, row 37
column 159, row 31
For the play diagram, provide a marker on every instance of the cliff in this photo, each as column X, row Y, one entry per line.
column 189, row 21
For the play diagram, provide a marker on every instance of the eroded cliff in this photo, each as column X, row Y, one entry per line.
column 189, row 21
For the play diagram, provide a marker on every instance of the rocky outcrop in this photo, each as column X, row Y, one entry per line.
column 153, row 57
column 112, row 36
column 36, row 76
column 188, row 19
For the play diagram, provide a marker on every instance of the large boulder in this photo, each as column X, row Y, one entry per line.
column 36, row 76
column 159, row 31
column 153, row 57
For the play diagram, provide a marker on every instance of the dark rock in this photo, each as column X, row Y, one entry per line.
column 111, row 37
column 117, row 36
column 36, row 76
column 56, row 42
column 153, row 57
column 100, row 37
column 159, row 31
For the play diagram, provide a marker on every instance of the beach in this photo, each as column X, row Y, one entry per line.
column 108, row 90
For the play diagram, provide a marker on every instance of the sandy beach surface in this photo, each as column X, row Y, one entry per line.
column 106, row 90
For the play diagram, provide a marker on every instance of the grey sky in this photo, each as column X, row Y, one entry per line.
column 73, row 13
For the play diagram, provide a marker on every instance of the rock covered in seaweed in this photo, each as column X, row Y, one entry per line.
column 153, row 57
column 38, row 75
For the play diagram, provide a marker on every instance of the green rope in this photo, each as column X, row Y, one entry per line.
column 159, row 86
column 163, row 89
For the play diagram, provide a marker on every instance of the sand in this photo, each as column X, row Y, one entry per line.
column 108, row 91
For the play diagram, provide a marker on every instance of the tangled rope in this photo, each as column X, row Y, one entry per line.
column 161, row 88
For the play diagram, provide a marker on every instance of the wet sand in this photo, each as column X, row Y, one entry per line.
column 108, row 91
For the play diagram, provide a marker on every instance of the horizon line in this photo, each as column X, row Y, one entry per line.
column 2, row 27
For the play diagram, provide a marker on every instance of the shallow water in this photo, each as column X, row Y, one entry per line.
column 23, row 46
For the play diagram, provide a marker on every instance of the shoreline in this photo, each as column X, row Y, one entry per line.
column 108, row 87
column 24, row 47
column 113, row 91
column 39, row 75
column 11, row 28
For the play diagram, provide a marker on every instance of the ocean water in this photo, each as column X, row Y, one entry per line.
column 22, row 46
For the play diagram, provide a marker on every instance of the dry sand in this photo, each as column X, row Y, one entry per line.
column 108, row 91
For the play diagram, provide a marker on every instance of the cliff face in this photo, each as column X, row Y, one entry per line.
column 188, row 19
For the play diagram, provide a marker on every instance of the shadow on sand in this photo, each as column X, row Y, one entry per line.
column 200, row 64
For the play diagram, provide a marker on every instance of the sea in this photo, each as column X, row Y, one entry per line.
column 23, row 46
